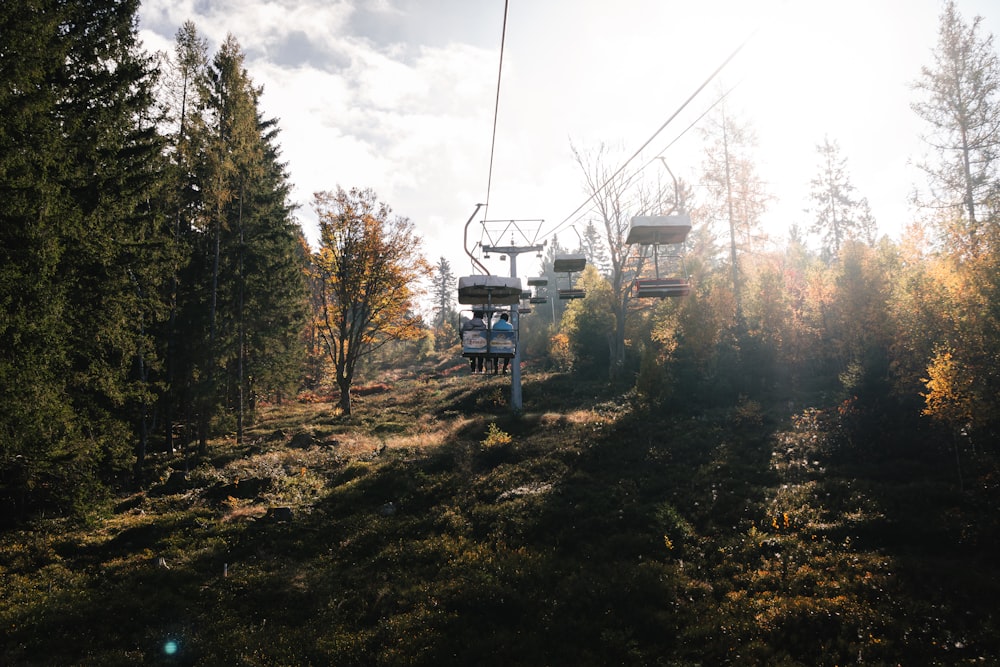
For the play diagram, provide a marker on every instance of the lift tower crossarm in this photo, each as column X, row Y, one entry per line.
column 512, row 250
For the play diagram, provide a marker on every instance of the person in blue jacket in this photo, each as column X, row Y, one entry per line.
column 503, row 324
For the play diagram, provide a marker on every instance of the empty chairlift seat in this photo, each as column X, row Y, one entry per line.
column 657, row 230
column 570, row 264
column 535, row 283
column 659, row 288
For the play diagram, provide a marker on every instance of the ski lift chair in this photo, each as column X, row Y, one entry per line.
column 657, row 230
column 536, row 283
column 570, row 264
column 484, row 293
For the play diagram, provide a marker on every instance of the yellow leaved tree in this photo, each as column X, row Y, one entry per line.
column 364, row 275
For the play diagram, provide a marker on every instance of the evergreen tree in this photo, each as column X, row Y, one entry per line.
column 183, row 76
column 443, row 293
column 736, row 194
column 82, row 247
column 961, row 104
column 274, row 307
column 839, row 217
column 247, row 263
column 594, row 249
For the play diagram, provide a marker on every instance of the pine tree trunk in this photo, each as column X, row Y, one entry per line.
column 242, row 333
column 206, row 408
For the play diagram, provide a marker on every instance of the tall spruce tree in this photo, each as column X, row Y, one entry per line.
column 247, row 263
column 736, row 195
column 593, row 248
column 81, row 247
column 273, row 306
column 183, row 74
column 960, row 102
column 443, row 293
column 838, row 215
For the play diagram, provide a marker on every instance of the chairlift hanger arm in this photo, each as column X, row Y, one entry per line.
column 677, row 187
column 465, row 241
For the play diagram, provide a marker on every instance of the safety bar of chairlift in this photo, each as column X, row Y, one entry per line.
column 491, row 336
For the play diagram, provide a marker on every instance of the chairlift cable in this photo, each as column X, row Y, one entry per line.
column 662, row 127
column 496, row 110
column 581, row 214
column 659, row 155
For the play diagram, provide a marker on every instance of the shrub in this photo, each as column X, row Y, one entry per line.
column 495, row 436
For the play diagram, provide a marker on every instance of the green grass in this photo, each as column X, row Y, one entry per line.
column 434, row 527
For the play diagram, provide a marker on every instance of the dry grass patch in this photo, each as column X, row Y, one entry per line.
column 583, row 417
column 432, row 433
column 243, row 511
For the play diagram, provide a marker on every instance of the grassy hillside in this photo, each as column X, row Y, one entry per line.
column 433, row 527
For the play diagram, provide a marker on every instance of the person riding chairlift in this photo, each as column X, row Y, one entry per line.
column 502, row 325
column 475, row 324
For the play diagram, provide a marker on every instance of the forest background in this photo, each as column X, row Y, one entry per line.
column 156, row 289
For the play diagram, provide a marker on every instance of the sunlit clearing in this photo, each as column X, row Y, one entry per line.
column 582, row 417
column 436, row 434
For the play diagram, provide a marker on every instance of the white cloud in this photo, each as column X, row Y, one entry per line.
column 399, row 95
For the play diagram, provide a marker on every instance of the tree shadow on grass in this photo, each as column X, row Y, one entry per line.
column 549, row 550
column 902, row 500
column 589, row 538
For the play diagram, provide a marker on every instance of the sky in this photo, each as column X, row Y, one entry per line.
column 399, row 96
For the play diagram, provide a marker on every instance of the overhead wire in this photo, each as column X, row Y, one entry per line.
column 496, row 110
column 662, row 127
column 687, row 129
column 634, row 174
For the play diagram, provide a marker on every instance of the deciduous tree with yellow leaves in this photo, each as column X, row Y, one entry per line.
column 364, row 272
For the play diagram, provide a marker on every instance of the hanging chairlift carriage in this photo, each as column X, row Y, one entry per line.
column 657, row 230
column 484, row 293
column 536, row 283
column 524, row 309
column 570, row 264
